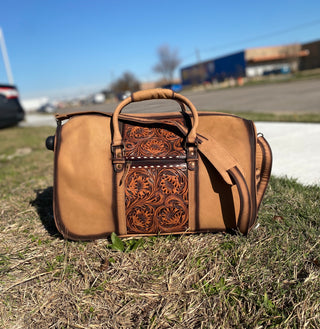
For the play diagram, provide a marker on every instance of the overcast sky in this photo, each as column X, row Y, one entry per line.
column 65, row 47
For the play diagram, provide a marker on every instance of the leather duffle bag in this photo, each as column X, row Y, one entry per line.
column 157, row 173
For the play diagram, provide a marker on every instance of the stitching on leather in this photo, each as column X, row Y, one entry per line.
column 161, row 166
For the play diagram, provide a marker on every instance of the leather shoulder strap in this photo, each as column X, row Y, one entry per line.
column 231, row 172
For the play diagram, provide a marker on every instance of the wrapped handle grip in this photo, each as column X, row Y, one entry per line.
column 157, row 93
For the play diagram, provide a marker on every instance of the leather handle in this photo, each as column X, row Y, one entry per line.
column 149, row 95
column 157, row 93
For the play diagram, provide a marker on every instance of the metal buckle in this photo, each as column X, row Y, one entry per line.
column 114, row 147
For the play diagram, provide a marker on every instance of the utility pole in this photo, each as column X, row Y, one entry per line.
column 198, row 55
column 5, row 58
column 200, row 68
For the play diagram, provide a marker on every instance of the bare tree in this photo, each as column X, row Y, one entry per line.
column 168, row 62
column 127, row 82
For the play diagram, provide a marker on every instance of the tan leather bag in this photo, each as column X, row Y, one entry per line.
column 164, row 173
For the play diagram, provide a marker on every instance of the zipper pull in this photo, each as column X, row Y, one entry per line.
column 126, row 170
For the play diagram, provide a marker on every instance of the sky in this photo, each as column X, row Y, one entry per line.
column 65, row 48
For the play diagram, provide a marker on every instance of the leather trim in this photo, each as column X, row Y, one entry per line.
column 253, row 143
column 194, row 226
column 121, row 208
column 266, row 168
column 192, row 175
column 57, row 217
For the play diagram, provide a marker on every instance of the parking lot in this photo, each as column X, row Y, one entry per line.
column 290, row 97
column 301, row 96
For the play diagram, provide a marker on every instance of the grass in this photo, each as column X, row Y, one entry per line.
column 281, row 117
column 278, row 117
column 270, row 279
column 299, row 75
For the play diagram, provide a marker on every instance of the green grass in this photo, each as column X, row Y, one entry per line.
column 281, row 117
column 270, row 279
column 277, row 117
column 300, row 75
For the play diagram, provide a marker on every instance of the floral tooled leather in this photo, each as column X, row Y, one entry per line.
column 156, row 200
column 156, row 190
column 151, row 142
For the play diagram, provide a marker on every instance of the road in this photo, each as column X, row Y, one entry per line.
column 298, row 97
column 286, row 97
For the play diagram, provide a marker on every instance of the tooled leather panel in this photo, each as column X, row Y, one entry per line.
column 141, row 141
column 156, row 193
column 157, row 199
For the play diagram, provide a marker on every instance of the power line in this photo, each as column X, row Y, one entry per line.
column 263, row 36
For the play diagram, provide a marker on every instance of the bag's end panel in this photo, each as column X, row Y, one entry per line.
column 83, row 193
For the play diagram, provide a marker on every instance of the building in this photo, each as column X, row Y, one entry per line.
column 253, row 62
column 273, row 60
column 312, row 61
column 215, row 70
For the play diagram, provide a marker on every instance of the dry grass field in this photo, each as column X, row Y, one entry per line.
column 270, row 279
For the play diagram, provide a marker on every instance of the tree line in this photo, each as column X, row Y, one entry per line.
column 168, row 61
